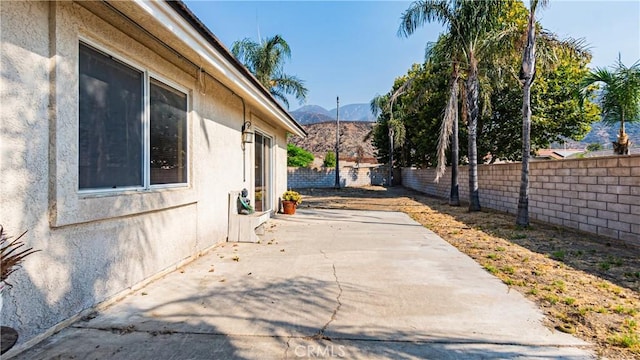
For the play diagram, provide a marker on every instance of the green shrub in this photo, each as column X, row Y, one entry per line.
column 595, row 147
column 329, row 159
column 298, row 157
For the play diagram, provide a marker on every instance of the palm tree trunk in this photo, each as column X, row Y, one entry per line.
column 454, row 196
column 526, row 76
column 522, row 218
column 391, row 135
column 472, row 100
column 623, row 143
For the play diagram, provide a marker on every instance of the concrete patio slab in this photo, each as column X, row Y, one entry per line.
column 322, row 284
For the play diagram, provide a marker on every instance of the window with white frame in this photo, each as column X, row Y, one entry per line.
column 132, row 127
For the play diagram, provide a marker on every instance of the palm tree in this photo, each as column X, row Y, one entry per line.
column 435, row 52
column 450, row 128
column 470, row 25
column 620, row 97
column 527, row 72
column 265, row 60
column 396, row 130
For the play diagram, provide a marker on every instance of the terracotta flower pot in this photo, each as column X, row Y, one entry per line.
column 289, row 207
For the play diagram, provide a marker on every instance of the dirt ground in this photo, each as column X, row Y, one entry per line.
column 586, row 285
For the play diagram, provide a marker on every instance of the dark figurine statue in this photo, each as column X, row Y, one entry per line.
column 244, row 204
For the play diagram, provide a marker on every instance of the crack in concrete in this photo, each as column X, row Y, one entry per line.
column 320, row 334
column 14, row 300
column 286, row 350
column 131, row 329
column 121, row 331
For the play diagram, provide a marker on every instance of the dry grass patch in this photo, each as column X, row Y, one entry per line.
column 586, row 285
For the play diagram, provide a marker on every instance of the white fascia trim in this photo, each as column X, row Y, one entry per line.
column 182, row 30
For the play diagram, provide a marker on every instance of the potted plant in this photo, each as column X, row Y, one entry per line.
column 290, row 200
column 11, row 256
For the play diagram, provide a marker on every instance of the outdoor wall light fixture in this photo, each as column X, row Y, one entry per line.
column 247, row 136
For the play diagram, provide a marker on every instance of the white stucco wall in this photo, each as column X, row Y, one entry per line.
column 96, row 246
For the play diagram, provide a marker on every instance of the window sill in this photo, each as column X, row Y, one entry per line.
column 94, row 206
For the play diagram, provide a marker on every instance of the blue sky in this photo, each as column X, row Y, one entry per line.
column 350, row 48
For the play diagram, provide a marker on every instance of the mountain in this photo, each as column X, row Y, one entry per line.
column 314, row 109
column 355, row 112
column 605, row 134
column 602, row 133
column 321, row 137
column 321, row 128
column 305, row 118
column 312, row 114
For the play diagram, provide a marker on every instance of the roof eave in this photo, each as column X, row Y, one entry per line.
column 191, row 31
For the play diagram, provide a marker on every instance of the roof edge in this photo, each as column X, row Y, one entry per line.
column 181, row 9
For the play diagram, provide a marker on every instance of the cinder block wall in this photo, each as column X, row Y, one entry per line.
column 302, row 178
column 597, row 195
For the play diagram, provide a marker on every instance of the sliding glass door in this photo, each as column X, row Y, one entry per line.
column 263, row 172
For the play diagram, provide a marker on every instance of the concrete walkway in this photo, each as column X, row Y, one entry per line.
column 322, row 284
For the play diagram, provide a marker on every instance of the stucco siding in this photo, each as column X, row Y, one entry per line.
column 280, row 166
column 95, row 245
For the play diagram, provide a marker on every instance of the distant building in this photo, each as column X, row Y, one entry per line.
column 557, row 154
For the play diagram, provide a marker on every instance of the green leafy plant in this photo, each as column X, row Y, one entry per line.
column 291, row 195
column 329, row 159
column 558, row 255
column 619, row 97
column 559, row 285
column 595, row 147
column 569, row 301
column 298, row 157
column 627, row 336
column 12, row 254
column 551, row 298
column 490, row 268
column 605, row 265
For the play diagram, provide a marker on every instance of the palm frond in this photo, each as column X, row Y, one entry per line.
column 446, row 129
column 12, row 254
column 549, row 47
column 266, row 61
column 620, row 91
column 245, row 51
column 377, row 104
column 443, row 51
column 278, row 45
column 422, row 12
column 289, row 84
column 400, row 91
column 399, row 132
column 280, row 96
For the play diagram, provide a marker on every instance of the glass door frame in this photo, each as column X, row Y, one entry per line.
column 266, row 173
